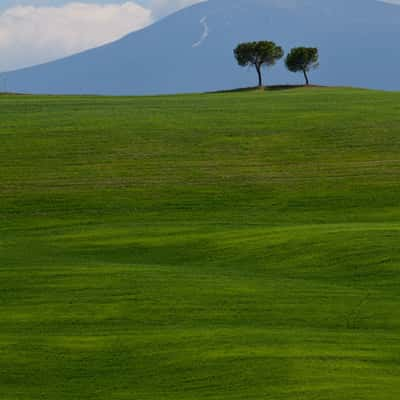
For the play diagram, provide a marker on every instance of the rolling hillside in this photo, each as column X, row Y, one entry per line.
column 227, row 246
column 191, row 51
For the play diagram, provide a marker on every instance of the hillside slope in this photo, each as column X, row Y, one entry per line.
column 231, row 246
column 192, row 49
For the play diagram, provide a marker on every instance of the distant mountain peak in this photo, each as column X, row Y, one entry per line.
column 191, row 50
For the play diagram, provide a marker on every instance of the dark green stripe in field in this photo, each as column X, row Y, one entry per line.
column 227, row 246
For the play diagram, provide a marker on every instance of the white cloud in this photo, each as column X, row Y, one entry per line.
column 163, row 7
column 35, row 34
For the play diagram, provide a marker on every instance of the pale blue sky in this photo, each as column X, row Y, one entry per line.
column 37, row 31
column 165, row 5
column 9, row 3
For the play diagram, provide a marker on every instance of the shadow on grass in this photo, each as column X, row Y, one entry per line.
column 267, row 88
column 11, row 94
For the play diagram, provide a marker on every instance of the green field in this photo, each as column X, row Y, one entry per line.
column 218, row 246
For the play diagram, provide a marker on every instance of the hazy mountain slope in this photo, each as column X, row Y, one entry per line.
column 192, row 49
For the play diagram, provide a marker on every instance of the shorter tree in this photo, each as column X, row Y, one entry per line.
column 258, row 55
column 302, row 59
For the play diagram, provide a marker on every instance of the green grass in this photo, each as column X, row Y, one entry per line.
column 223, row 246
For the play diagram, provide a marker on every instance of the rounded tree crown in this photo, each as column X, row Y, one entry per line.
column 258, row 53
column 302, row 59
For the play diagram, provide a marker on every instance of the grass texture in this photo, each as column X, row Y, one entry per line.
column 200, row 247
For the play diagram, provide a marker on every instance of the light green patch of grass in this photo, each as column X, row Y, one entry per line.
column 216, row 246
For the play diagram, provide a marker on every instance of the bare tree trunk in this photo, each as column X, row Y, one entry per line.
column 306, row 77
column 260, row 82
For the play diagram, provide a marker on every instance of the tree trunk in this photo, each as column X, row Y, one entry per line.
column 260, row 82
column 306, row 77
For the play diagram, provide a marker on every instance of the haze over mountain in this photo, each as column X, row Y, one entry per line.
column 191, row 50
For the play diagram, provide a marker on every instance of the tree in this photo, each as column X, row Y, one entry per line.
column 258, row 55
column 302, row 59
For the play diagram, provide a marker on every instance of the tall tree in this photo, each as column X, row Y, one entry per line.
column 302, row 59
column 258, row 55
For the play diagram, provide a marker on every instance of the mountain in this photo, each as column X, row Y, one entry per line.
column 191, row 50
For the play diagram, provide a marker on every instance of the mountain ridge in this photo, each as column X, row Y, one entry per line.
column 191, row 50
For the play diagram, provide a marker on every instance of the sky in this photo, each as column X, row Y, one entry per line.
column 37, row 31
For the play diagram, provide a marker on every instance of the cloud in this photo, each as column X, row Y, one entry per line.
column 36, row 34
column 393, row 2
column 164, row 7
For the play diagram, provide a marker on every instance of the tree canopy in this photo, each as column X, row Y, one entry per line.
column 302, row 59
column 258, row 55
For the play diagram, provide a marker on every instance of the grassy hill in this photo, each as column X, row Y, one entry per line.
column 221, row 246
